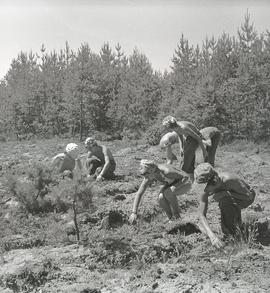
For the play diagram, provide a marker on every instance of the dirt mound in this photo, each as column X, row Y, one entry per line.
column 113, row 220
column 184, row 228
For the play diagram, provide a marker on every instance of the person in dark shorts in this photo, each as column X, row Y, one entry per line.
column 232, row 194
column 99, row 162
column 211, row 139
column 190, row 138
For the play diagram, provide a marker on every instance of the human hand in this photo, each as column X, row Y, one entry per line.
column 207, row 143
column 216, row 242
column 99, row 178
column 133, row 217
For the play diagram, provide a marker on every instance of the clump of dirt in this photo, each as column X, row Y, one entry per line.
column 113, row 220
column 262, row 227
column 184, row 228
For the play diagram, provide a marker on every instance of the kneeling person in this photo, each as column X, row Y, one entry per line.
column 232, row 194
column 174, row 182
column 67, row 161
column 100, row 161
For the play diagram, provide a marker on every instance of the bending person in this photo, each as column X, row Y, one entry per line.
column 232, row 194
column 174, row 182
column 100, row 161
column 67, row 161
column 211, row 136
column 166, row 142
column 191, row 139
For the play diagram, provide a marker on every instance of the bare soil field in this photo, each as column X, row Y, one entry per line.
column 41, row 253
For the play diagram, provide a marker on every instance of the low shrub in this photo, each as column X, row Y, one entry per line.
column 154, row 134
column 131, row 134
column 68, row 190
column 30, row 277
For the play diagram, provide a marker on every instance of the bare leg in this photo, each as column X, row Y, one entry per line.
column 212, row 150
column 173, row 202
column 164, row 204
column 172, row 193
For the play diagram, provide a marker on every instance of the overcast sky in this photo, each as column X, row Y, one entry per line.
column 153, row 26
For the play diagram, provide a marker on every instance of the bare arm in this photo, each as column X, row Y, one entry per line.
column 203, row 206
column 139, row 195
column 192, row 131
column 181, row 143
column 170, row 155
column 106, row 159
column 78, row 170
column 137, row 199
column 57, row 160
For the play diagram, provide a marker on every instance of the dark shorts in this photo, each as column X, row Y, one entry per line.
column 230, row 210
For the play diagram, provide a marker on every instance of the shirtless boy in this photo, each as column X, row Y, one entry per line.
column 232, row 194
column 174, row 182
column 100, row 161
column 211, row 139
column 190, row 138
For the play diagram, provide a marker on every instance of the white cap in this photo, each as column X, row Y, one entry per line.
column 72, row 150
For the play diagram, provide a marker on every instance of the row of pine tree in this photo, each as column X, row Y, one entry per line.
column 225, row 82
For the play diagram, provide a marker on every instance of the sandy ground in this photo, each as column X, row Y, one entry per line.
column 39, row 255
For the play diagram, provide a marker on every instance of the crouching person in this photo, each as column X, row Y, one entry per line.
column 232, row 194
column 174, row 182
column 167, row 142
column 100, row 161
column 67, row 162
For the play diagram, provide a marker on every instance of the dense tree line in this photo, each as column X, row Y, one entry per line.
column 225, row 82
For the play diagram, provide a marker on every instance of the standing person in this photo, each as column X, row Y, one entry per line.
column 232, row 194
column 100, row 161
column 166, row 142
column 174, row 182
column 192, row 138
column 211, row 139
column 67, row 161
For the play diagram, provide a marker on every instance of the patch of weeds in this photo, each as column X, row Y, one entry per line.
column 30, row 277
column 111, row 251
column 21, row 242
column 62, row 195
column 30, row 191
column 154, row 134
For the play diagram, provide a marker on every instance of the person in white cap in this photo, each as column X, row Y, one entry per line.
column 99, row 162
column 174, row 182
column 66, row 162
column 232, row 194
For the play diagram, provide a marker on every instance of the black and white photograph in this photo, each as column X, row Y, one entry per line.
column 134, row 146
